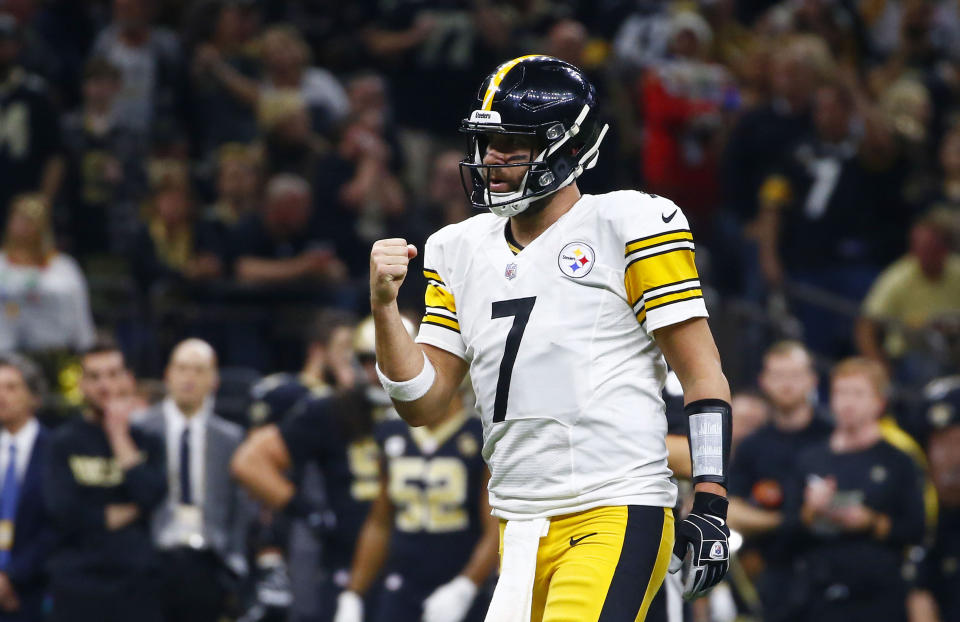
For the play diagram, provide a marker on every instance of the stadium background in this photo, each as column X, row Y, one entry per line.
column 152, row 151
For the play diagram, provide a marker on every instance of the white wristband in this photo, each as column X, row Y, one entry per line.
column 413, row 389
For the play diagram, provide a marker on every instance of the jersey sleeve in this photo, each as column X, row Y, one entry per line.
column 306, row 432
column 660, row 275
column 440, row 326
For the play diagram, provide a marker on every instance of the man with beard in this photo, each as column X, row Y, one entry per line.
column 103, row 481
column 763, row 465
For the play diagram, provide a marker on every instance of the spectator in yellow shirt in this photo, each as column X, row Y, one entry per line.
column 914, row 303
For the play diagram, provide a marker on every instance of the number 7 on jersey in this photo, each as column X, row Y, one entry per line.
column 519, row 309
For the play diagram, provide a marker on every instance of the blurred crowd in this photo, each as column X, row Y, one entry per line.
column 217, row 169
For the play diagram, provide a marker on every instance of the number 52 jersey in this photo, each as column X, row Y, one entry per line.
column 558, row 336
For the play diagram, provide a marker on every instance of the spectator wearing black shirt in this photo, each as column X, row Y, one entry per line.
column 279, row 246
column 216, row 116
column 105, row 174
column 174, row 246
column 237, row 186
column 763, row 468
column 102, row 482
column 831, row 215
column 763, row 135
column 30, row 142
column 860, row 501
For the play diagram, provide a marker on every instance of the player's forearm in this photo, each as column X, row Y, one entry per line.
column 398, row 356
column 261, row 479
column 400, row 359
column 750, row 520
column 373, row 544
column 678, row 456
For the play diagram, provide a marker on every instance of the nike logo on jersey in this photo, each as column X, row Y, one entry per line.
column 719, row 520
column 670, row 217
column 576, row 541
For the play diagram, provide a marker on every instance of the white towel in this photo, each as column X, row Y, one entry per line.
column 514, row 594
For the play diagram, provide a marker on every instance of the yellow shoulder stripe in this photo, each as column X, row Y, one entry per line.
column 658, row 270
column 437, row 296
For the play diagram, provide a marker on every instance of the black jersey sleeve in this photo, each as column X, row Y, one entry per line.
column 146, row 483
column 308, row 431
column 908, row 519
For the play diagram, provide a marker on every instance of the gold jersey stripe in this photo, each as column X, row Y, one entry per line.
column 437, row 296
column 498, row 77
column 658, row 270
column 440, row 320
column 432, row 274
column 680, row 296
column 513, row 249
column 657, row 240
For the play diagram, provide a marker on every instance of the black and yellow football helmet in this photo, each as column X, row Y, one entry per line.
column 547, row 99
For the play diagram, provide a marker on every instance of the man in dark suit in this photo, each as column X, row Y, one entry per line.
column 26, row 538
column 201, row 525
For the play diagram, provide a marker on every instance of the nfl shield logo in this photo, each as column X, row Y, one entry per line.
column 716, row 552
column 511, row 271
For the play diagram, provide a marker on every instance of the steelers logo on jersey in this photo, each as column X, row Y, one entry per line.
column 467, row 446
column 576, row 260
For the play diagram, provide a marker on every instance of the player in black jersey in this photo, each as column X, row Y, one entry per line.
column 326, row 366
column 336, row 433
column 432, row 505
column 860, row 500
column 940, row 570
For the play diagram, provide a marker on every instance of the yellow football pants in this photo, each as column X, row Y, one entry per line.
column 601, row 565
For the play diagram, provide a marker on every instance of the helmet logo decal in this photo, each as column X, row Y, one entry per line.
column 576, row 260
column 483, row 116
column 498, row 77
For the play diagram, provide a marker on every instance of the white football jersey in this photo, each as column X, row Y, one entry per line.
column 558, row 338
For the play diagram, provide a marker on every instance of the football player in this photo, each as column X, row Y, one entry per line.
column 432, row 505
column 563, row 307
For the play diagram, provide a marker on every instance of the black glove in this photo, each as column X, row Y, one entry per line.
column 704, row 533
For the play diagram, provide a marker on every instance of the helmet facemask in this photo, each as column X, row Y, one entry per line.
column 562, row 154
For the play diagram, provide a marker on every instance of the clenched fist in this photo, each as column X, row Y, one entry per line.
column 388, row 268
